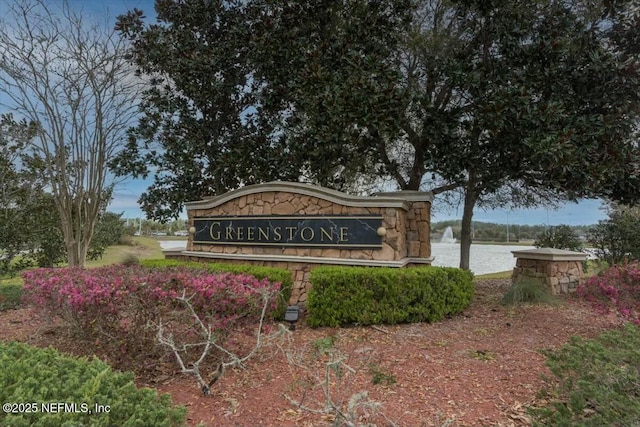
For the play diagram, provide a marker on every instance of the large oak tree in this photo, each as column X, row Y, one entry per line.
column 510, row 102
column 223, row 109
column 534, row 97
column 506, row 98
column 202, row 131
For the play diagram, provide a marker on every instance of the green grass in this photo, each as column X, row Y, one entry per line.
column 142, row 248
column 169, row 238
column 10, row 280
column 7, row 280
column 498, row 275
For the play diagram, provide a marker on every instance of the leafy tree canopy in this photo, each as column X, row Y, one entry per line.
column 535, row 97
column 21, row 191
column 229, row 102
column 508, row 101
column 201, row 132
column 560, row 237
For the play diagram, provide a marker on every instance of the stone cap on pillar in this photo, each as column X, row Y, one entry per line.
column 550, row 254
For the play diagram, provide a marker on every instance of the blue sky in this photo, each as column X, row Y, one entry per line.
column 127, row 193
column 113, row 7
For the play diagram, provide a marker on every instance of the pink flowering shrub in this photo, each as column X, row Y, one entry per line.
column 616, row 289
column 121, row 306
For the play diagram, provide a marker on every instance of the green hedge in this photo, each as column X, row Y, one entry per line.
column 10, row 296
column 37, row 377
column 270, row 273
column 367, row 295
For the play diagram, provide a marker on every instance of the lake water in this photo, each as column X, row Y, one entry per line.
column 173, row 244
column 484, row 258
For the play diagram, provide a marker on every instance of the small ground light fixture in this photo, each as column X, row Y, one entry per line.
column 291, row 315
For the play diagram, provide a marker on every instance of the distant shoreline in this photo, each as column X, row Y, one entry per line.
column 485, row 242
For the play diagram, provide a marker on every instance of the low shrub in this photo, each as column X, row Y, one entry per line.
column 130, row 259
column 126, row 240
column 364, row 295
column 121, row 307
column 10, row 296
column 40, row 377
column 273, row 274
column 615, row 289
column 598, row 381
column 528, row 291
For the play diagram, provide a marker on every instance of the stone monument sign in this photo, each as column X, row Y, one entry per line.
column 299, row 226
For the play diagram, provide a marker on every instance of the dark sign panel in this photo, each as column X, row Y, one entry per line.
column 291, row 230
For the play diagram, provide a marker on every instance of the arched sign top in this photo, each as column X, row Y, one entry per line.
column 399, row 199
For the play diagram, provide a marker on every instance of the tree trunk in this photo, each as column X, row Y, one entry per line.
column 470, row 199
column 75, row 240
column 73, row 257
column 71, row 243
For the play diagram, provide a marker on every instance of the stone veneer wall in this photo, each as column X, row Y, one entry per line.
column 560, row 270
column 405, row 217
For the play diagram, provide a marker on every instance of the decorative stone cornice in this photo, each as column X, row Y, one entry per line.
column 550, row 254
column 397, row 199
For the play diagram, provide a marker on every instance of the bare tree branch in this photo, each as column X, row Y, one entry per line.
column 71, row 77
column 210, row 342
column 445, row 188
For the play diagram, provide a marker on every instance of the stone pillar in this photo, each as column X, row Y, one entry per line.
column 417, row 222
column 558, row 269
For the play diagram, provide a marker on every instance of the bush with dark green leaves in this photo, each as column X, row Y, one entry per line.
column 597, row 381
column 365, row 295
column 38, row 377
column 617, row 239
column 10, row 296
column 559, row 237
column 272, row 274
